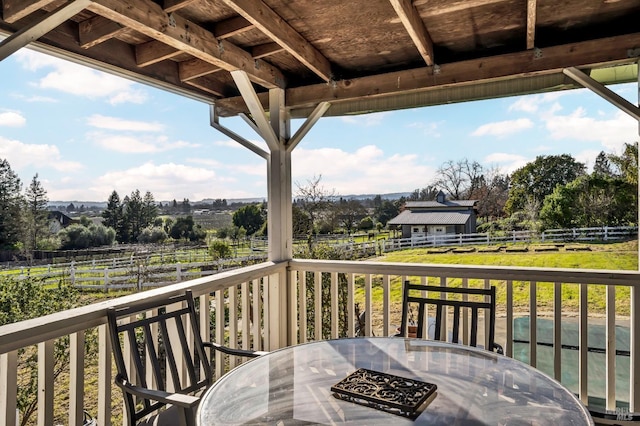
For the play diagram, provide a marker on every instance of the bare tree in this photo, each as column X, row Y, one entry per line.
column 314, row 200
column 458, row 178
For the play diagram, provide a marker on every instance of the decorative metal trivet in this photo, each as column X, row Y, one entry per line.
column 386, row 392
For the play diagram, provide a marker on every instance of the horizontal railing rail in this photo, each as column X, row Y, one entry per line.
column 322, row 300
column 231, row 311
column 331, row 294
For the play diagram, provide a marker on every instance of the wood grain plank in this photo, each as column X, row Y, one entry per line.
column 153, row 52
column 263, row 50
column 149, row 19
column 531, row 23
column 513, row 65
column 279, row 30
column 194, row 68
column 173, row 5
column 415, row 27
column 231, row 27
column 96, row 30
column 14, row 10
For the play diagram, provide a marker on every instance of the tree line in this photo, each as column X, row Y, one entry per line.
column 552, row 191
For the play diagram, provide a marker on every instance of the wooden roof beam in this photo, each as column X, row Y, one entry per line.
column 40, row 27
column 231, row 27
column 14, row 10
column 153, row 52
column 263, row 50
column 149, row 19
column 194, row 68
column 531, row 23
column 173, row 5
column 511, row 65
column 441, row 7
column 279, row 30
column 208, row 85
column 97, row 30
column 415, row 27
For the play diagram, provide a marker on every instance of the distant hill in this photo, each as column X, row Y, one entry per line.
column 103, row 204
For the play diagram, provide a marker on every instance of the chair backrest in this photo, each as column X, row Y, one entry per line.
column 165, row 347
column 472, row 299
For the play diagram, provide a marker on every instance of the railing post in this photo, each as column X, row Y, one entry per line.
column 634, row 360
column 104, row 376
column 76, row 378
column 46, row 364
column 9, row 385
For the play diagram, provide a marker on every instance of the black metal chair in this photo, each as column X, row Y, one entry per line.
column 169, row 367
column 414, row 296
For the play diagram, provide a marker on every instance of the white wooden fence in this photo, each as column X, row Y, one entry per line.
column 511, row 237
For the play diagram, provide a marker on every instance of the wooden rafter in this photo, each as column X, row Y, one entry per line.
column 451, row 6
column 194, row 68
column 270, row 23
column 208, row 85
column 148, row 18
column 14, row 10
column 173, row 5
column 38, row 28
column 231, row 27
column 531, row 23
column 263, row 50
column 415, row 27
column 513, row 65
column 153, row 52
column 96, row 30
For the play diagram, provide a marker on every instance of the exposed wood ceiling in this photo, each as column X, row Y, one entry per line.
column 360, row 55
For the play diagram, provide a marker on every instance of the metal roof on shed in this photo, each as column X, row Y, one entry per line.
column 434, row 204
column 408, row 217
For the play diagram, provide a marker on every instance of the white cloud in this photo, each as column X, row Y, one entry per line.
column 114, row 123
column 21, row 155
column 367, row 120
column 367, row 170
column 12, row 119
column 532, row 103
column 79, row 80
column 136, row 144
column 431, row 129
column 612, row 131
column 166, row 182
column 235, row 145
column 503, row 128
column 507, row 163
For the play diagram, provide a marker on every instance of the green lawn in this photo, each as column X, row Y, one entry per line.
column 615, row 256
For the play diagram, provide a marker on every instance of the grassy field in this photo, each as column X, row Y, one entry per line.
column 615, row 256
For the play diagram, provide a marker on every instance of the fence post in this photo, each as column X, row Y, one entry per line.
column 606, row 233
column 178, row 272
column 72, row 272
column 106, row 279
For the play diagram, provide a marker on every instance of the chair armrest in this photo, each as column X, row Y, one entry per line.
column 178, row 399
column 236, row 352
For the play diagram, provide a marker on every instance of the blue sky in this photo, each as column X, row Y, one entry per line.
column 87, row 133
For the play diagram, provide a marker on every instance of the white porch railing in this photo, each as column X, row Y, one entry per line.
column 318, row 301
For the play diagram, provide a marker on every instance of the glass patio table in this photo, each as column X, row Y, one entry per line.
column 293, row 386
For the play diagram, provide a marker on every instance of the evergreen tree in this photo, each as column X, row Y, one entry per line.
column 149, row 209
column 10, row 206
column 36, row 215
column 134, row 215
column 602, row 167
column 113, row 216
